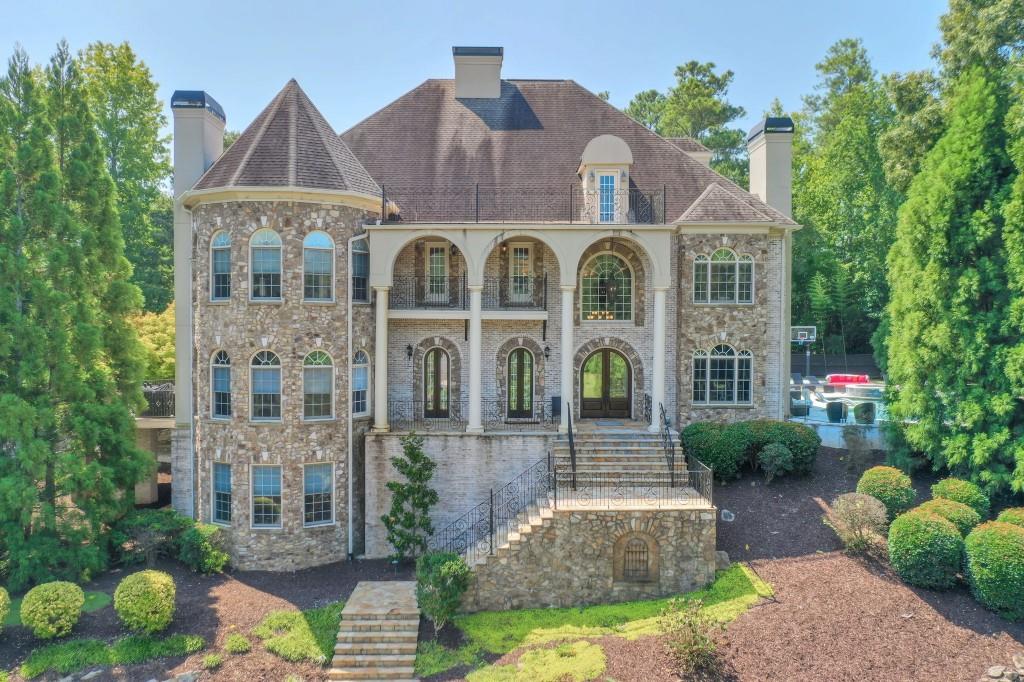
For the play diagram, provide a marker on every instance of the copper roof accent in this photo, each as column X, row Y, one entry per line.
column 688, row 144
column 718, row 205
column 289, row 144
column 532, row 136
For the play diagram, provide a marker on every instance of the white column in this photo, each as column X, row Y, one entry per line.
column 567, row 350
column 658, row 365
column 475, row 343
column 380, row 361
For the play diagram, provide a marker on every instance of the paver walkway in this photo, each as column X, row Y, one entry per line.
column 377, row 637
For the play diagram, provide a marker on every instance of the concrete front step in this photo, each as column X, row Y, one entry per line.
column 352, row 661
column 377, row 637
column 374, row 624
column 404, row 672
column 375, row 648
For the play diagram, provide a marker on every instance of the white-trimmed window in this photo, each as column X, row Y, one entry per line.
column 265, row 265
column 724, row 278
column 361, row 271
column 265, row 383
column 520, row 273
column 318, row 267
column 318, row 494
column 607, row 285
column 221, row 493
column 606, row 197
column 220, row 267
column 220, row 385
column 317, row 386
column 436, row 263
column 723, row 376
column 266, row 496
column 360, row 384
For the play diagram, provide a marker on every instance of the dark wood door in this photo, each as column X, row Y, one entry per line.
column 606, row 385
column 520, row 384
column 436, row 376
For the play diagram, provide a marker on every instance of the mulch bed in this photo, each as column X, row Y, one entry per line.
column 213, row 606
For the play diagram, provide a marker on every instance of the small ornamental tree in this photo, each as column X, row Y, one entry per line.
column 441, row 580
column 408, row 521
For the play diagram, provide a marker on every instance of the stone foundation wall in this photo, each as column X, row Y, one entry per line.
column 578, row 558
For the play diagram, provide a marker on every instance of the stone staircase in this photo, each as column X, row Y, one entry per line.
column 615, row 452
column 378, row 633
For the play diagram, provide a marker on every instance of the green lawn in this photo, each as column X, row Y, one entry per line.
column 301, row 635
column 75, row 654
column 94, row 601
column 734, row 591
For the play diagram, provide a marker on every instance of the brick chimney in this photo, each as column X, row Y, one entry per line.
column 770, row 149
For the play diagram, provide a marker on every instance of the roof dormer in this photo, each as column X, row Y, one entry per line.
column 604, row 172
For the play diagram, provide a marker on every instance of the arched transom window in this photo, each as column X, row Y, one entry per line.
column 360, row 384
column 723, row 278
column 220, row 380
column 723, row 376
column 265, row 265
column 317, row 386
column 265, row 380
column 607, row 289
column 318, row 267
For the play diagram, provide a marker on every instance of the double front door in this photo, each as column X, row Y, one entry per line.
column 606, row 381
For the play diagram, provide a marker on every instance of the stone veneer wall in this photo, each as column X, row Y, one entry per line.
column 290, row 328
column 468, row 466
column 575, row 557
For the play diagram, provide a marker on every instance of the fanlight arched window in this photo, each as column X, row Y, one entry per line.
column 317, row 386
column 220, row 385
column 722, row 376
column 360, row 384
column 265, row 265
column 361, row 271
column 436, row 383
column 318, row 267
column 723, row 278
column 220, row 267
column 265, row 382
column 607, row 285
column 520, row 383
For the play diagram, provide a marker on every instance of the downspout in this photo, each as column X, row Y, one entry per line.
column 193, row 454
column 348, row 364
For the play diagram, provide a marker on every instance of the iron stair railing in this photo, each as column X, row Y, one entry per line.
column 666, row 441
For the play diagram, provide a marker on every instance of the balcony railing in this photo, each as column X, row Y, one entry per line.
column 452, row 293
column 411, row 415
column 159, row 399
column 486, row 204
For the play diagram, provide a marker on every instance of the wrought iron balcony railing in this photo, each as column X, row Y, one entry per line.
column 499, row 293
column 159, row 399
column 515, row 293
column 413, row 415
column 487, row 204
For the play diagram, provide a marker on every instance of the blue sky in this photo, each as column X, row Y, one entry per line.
column 353, row 58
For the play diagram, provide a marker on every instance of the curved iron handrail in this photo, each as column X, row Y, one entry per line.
column 666, row 441
column 572, row 446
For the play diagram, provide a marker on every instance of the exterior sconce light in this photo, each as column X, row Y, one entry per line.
column 408, row 351
column 590, row 176
column 547, row 351
column 504, row 247
column 622, row 175
column 454, row 250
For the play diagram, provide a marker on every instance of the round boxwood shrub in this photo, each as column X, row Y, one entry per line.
column 5, row 606
column 775, row 460
column 145, row 601
column 925, row 549
column 721, row 447
column 995, row 567
column 52, row 609
column 890, row 486
column 201, row 548
column 957, row 513
column 964, row 492
column 1014, row 515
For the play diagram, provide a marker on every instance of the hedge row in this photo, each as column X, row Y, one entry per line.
column 727, row 448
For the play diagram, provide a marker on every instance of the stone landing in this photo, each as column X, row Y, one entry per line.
column 377, row 637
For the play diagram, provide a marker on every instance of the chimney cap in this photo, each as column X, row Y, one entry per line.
column 463, row 51
column 197, row 99
column 771, row 124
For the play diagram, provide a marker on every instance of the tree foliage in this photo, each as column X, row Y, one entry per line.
column 156, row 332
column 408, row 520
column 70, row 364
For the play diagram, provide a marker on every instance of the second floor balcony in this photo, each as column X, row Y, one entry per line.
column 452, row 293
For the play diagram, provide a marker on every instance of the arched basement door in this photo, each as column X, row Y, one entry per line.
column 606, row 382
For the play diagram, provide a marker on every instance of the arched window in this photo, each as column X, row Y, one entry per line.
column 317, row 386
column 265, row 380
column 265, row 265
column 436, row 382
column 361, row 271
column 607, row 284
column 724, row 278
column 520, row 383
column 722, row 376
column 360, row 384
column 220, row 383
column 318, row 267
column 220, row 267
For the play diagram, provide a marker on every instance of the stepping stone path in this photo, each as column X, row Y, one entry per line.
column 377, row 638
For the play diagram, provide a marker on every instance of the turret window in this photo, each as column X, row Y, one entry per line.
column 220, row 267
column 317, row 386
column 265, row 264
column 266, row 386
column 318, row 267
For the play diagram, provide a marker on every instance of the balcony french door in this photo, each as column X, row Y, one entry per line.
column 436, row 380
column 520, row 273
column 437, row 275
column 520, row 384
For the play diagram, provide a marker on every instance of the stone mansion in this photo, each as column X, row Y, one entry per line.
column 487, row 262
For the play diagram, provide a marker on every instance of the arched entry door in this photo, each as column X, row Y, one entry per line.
column 606, row 382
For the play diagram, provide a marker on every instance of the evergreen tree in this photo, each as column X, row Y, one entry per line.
column 645, row 108
column 69, row 363
column 948, row 338
column 408, row 520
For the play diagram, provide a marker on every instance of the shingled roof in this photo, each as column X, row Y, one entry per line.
column 533, row 136
column 688, row 144
column 718, row 204
column 289, row 144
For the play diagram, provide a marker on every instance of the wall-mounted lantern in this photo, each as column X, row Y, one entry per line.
column 408, row 351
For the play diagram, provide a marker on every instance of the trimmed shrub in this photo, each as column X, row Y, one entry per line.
column 146, row 534
column 995, row 567
column 963, row 492
column 441, row 580
column 52, row 609
column 857, row 519
column 1014, row 515
column 925, row 549
column 775, row 460
column 802, row 441
column 890, row 486
column 960, row 515
column 201, row 548
column 727, row 447
column 145, row 601
column 706, row 442
column 237, row 643
column 5, row 605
